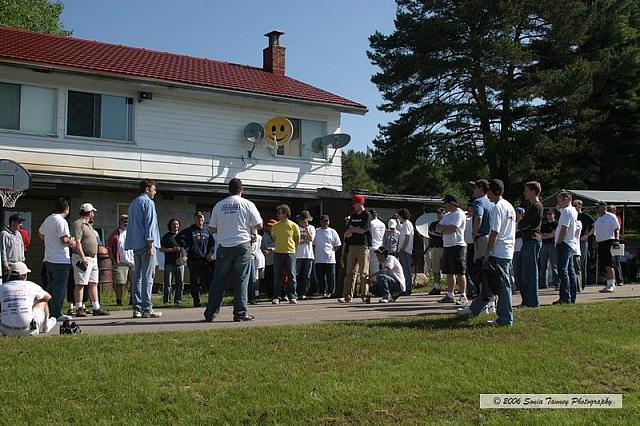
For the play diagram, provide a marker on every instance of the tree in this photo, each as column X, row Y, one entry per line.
column 471, row 80
column 357, row 171
column 34, row 15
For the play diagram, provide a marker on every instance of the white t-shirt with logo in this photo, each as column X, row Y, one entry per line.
column 406, row 231
column 304, row 250
column 395, row 271
column 377, row 229
column 233, row 218
column 606, row 227
column 325, row 243
column 17, row 299
column 568, row 218
column 503, row 221
column 53, row 228
column 458, row 219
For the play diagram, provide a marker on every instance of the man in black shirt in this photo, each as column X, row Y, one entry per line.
column 548, row 250
column 196, row 239
column 172, row 268
column 587, row 231
column 436, row 249
column 358, row 239
column 531, row 242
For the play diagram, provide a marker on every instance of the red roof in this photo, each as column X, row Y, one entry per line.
column 109, row 59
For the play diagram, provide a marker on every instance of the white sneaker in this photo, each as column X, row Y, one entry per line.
column 342, row 300
column 462, row 300
column 489, row 309
column 383, row 300
column 607, row 289
column 275, row 301
column 293, row 301
column 152, row 314
column 48, row 326
column 465, row 311
column 64, row 317
column 285, row 299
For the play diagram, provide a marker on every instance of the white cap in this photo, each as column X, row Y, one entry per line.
column 392, row 224
column 19, row 268
column 87, row 207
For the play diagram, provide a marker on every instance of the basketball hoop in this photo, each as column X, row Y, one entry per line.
column 10, row 197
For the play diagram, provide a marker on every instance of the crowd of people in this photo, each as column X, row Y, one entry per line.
column 487, row 252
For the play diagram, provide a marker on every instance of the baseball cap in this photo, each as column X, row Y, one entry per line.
column 392, row 224
column 450, row 199
column 19, row 268
column 271, row 222
column 440, row 210
column 198, row 213
column 16, row 218
column 324, row 217
column 87, row 207
column 357, row 199
column 519, row 210
column 383, row 251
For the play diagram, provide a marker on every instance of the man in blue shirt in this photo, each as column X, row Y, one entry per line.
column 481, row 217
column 143, row 237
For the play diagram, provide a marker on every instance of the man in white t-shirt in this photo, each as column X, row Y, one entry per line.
column 304, row 253
column 389, row 281
column 405, row 247
column 607, row 232
column 454, row 256
column 54, row 231
column 566, row 246
column 24, row 305
column 377, row 230
column 500, row 253
column 232, row 219
column 326, row 243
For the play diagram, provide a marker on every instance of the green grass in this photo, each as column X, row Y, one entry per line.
column 418, row 370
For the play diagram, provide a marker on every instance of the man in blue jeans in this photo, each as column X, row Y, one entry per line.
column 232, row 220
column 54, row 231
column 566, row 246
column 531, row 244
column 500, row 250
column 143, row 237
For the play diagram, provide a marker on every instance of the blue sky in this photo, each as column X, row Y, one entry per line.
column 326, row 41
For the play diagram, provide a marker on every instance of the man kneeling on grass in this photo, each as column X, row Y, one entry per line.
column 24, row 305
column 389, row 282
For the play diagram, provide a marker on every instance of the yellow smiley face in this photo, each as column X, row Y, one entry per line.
column 278, row 131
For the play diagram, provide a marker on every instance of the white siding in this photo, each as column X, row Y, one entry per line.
column 179, row 135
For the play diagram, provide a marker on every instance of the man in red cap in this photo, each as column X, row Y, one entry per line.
column 358, row 238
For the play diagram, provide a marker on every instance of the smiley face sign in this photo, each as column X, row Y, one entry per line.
column 278, row 131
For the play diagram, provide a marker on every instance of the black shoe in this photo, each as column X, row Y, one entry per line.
column 434, row 292
column 244, row 318
column 118, row 302
column 208, row 319
column 560, row 302
column 196, row 304
column 447, row 299
column 394, row 297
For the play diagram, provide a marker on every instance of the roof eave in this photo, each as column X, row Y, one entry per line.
column 173, row 84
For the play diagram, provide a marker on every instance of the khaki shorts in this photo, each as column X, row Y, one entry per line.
column 121, row 272
column 480, row 247
column 85, row 277
column 436, row 259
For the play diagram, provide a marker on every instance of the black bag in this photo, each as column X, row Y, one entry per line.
column 67, row 328
column 494, row 276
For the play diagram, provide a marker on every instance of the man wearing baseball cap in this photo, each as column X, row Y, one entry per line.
column 24, row 305
column 12, row 245
column 358, row 238
column 85, row 261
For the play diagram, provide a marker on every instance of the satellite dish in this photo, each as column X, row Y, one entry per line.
column 253, row 132
column 335, row 141
column 423, row 222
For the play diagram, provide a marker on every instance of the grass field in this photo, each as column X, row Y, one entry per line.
column 420, row 370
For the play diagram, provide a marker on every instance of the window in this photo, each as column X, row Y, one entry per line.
column 100, row 116
column 28, row 108
column 304, row 131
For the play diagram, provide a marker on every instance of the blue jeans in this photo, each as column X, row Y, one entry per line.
column 280, row 262
column 548, row 255
column 504, row 308
column 386, row 286
column 405, row 262
column 529, row 273
column 230, row 260
column 173, row 272
column 303, row 268
column 142, row 283
column 326, row 273
column 566, row 272
column 57, row 278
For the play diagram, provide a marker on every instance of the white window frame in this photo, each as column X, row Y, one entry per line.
column 325, row 155
column 55, row 112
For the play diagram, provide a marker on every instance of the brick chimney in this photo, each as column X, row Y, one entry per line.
column 273, row 56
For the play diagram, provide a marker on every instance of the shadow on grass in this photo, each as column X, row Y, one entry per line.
column 421, row 322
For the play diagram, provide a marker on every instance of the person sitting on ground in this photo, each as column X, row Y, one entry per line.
column 24, row 305
column 389, row 282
